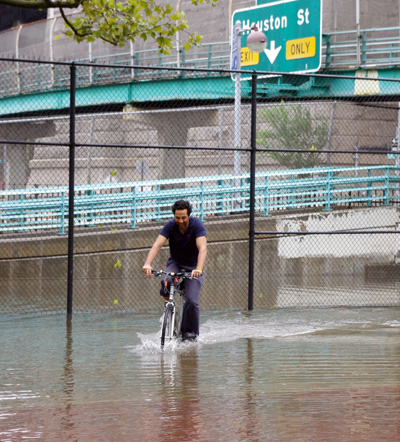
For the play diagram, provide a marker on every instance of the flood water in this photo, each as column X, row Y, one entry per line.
column 269, row 375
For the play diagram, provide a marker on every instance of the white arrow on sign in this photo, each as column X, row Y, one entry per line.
column 272, row 53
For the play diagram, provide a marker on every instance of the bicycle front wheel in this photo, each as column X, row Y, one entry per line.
column 167, row 328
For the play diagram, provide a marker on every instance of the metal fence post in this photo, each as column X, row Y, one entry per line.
column 71, row 188
column 252, row 187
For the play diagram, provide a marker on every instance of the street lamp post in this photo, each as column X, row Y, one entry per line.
column 256, row 42
column 238, row 106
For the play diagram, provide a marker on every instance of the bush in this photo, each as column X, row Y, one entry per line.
column 293, row 127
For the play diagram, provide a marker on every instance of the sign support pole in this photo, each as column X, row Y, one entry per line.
column 238, row 109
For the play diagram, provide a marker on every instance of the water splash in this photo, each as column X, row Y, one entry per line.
column 232, row 326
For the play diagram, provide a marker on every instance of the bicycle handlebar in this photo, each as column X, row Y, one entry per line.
column 181, row 274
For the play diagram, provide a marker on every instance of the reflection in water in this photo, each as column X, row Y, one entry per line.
column 67, row 379
column 250, row 403
column 181, row 413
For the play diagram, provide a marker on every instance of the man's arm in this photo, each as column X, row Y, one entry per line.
column 147, row 268
column 201, row 243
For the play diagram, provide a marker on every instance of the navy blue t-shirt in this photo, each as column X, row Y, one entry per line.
column 182, row 246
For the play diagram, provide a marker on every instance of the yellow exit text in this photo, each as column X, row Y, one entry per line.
column 248, row 58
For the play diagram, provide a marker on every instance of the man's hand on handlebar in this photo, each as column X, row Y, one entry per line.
column 147, row 269
column 196, row 273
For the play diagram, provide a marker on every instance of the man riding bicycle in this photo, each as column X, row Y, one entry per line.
column 188, row 250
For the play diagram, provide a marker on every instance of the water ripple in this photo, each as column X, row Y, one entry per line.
column 274, row 375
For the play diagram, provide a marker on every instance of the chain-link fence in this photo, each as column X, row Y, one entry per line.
column 297, row 184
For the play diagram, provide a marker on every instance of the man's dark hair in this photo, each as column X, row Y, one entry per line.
column 182, row 205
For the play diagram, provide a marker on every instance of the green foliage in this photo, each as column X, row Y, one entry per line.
column 293, row 127
column 120, row 22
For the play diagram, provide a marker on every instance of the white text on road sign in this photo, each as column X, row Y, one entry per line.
column 303, row 16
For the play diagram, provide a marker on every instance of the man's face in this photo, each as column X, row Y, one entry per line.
column 182, row 219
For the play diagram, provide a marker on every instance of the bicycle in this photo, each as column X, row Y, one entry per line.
column 172, row 316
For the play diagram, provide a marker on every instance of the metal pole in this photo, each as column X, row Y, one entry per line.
column 220, row 135
column 358, row 32
column 17, row 57
column 397, row 160
column 90, row 61
column 5, row 166
column 132, row 59
column 356, row 158
column 53, row 66
column 178, row 51
column 90, row 150
column 238, row 104
column 252, row 187
column 71, row 189
column 331, row 120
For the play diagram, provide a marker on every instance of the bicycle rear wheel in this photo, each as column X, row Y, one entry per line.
column 167, row 328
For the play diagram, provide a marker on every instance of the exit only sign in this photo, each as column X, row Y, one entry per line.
column 294, row 34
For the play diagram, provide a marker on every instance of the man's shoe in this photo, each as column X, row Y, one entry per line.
column 191, row 337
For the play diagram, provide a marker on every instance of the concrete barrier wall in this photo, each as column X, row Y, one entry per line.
column 317, row 270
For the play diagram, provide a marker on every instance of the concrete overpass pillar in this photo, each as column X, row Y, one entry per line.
column 16, row 156
column 172, row 160
column 172, row 128
column 15, row 167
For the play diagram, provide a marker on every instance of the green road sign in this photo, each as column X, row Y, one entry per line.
column 293, row 30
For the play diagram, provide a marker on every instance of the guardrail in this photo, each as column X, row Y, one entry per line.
column 370, row 48
column 132, row 203
column 125, row 68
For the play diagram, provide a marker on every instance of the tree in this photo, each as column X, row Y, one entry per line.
column 293, row 127
column 118, row 22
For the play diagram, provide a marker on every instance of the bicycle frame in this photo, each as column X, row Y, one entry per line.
column 170, row 327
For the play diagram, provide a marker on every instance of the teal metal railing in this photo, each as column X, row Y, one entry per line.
column 371, row 48
column 133, row 203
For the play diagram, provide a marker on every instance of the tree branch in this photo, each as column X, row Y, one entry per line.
column 70, row 25
column 41, row 4
column 81, row 34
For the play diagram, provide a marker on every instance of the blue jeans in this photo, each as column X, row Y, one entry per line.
column 191, row 310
